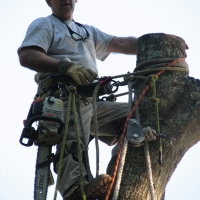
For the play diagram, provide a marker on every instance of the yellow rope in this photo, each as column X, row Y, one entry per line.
column 78, row 146
column 71, row 103
column 63, row 145
column 152, row 81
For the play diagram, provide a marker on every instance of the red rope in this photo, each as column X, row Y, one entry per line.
column 125, row 126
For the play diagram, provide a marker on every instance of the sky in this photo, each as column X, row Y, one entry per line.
column 117, row 17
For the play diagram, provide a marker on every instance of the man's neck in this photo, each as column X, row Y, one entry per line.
column 63, row 19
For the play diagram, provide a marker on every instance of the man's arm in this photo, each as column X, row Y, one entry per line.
column 126, row 45
column 35, row 58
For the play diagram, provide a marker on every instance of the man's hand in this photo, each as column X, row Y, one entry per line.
column 80, row 74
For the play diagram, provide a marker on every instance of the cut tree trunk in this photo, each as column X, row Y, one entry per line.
column 179, row 100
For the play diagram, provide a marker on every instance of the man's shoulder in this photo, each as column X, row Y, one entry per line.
column 42, row 21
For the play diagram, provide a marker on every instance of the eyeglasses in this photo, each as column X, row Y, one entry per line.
column 75, row 36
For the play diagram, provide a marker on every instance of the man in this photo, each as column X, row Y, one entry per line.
column 57, row 45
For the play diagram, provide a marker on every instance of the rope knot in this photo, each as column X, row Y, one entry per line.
column 149, row 133
column 71, row 88
column 151, row 79
column 154, row 99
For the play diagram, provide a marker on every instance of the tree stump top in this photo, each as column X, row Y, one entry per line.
column 160, row 45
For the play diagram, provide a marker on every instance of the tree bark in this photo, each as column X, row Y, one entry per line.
column 179, row 99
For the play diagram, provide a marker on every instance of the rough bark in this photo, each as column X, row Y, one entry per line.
column 179, row 97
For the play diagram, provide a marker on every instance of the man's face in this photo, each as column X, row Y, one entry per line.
column 62, row 8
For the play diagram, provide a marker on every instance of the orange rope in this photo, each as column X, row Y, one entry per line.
column 125, row 126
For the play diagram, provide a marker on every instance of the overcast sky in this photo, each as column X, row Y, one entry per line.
column 117, row 17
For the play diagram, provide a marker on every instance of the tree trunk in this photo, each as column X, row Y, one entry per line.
column 179, row 99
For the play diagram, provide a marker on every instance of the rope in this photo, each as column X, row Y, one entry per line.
column 155, row 100
column 171, row 64
column 78, row 146
column 63, row 145
column 149, row 136
column 160, row 61
column 126, row 123
column 96, row 126
column 179, row 62
column 149, row 171
column 124, row 151
column 85, row 144
column 122, row 142
column 120, row 169
column 71, row 103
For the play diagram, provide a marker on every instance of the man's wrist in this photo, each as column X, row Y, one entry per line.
column 64, row 65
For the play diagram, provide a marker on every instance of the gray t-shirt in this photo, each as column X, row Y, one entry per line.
column 52, row 35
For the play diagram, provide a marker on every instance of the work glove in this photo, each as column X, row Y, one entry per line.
column 80, row 74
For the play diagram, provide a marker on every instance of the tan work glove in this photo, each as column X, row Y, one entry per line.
column 80, row 74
